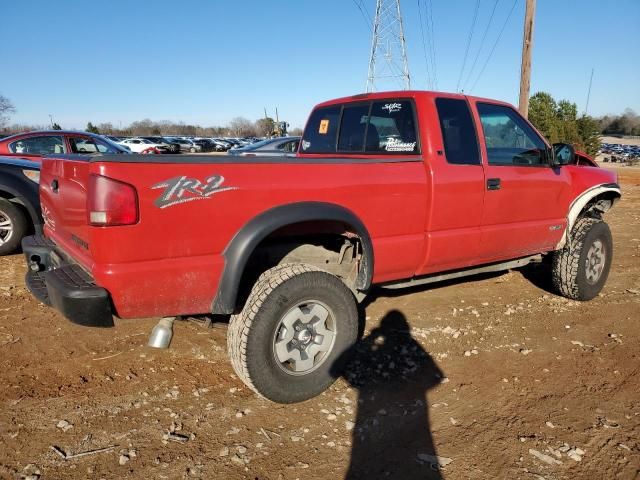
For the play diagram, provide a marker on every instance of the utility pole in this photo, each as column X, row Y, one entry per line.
column 527, row 47
column 388, row 60
column 586, row 107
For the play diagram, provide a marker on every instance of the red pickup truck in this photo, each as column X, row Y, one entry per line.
column 395, row 189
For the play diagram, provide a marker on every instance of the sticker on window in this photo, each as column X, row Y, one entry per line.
column 397, row 145
column 305, row 144
column 392, row 107
column 324, row 127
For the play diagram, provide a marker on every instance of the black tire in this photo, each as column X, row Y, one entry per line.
column 572, row 277
column 10, row 213
column 253, row 332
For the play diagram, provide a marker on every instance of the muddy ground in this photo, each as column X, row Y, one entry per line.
column 496, row 375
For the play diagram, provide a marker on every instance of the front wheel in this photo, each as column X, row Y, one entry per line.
column 581, row 268
column 294, row 328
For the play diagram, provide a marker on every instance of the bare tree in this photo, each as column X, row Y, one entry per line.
column 241, row 127
column 6, row 107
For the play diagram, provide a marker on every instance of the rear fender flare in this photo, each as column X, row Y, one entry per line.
column 243, row 244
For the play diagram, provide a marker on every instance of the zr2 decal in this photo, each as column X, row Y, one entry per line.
column 184, row 189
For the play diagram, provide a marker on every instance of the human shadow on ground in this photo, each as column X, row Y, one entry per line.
column 392, row 373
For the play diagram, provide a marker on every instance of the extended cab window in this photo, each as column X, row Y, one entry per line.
column 392, row 128
column 322, row 130
column 509, row 138
column 385, row 126
column 43, row 145
column 353, row 127
column 458, row 132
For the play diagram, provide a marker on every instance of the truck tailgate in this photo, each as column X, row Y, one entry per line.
column 63, row 196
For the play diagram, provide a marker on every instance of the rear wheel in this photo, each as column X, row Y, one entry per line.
column 295, row 326
column 13, row 226
column 192, row 150
column 581, row 268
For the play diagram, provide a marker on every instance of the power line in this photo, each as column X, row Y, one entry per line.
column 466, row 53
column 494, row 45
column 366, row 12
column 484, row 36
column 424, row 48
column 365, row 17
column 432, row 43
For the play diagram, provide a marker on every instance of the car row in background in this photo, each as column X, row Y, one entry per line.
column 620, row 150
column 39, row 143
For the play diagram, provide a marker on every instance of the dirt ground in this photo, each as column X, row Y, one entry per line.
column 495, row 375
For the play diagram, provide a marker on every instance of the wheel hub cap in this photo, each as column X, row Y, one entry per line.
column 595, row 262
column 6, row 229
column 304, row 338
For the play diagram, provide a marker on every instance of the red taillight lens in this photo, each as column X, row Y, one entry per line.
column 110, row 202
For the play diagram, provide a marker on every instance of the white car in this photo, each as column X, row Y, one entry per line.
column 142, row 145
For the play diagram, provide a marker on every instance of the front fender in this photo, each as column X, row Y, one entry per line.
column 577, row 206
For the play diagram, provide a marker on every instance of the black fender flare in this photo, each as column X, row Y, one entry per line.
column 243, row 244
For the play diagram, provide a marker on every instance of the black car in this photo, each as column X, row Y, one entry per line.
column 20, row 213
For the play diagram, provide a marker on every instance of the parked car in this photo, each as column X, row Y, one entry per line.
column 144, row 146
column 170, row 146
column 19, row 201
column 397, row 189
column 282, row 146
column 187, row 145
column 34, row 145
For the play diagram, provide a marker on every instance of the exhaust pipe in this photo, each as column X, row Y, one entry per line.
column 161, row 334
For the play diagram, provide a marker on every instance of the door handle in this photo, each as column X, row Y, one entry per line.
column 493, row 184
column 54, row 185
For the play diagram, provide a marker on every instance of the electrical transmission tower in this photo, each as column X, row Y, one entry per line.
column 388, row 61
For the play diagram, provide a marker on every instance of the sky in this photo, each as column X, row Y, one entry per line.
column 205, row 62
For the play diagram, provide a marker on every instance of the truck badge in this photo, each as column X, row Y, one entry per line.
column 184, row 189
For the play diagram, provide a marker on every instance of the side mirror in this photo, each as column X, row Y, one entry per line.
column 563, row 154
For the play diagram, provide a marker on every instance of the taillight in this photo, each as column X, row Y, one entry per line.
column 110, row 202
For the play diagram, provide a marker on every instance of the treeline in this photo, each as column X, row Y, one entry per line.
column 559, row 122
column 238, row 127
column 626, row 124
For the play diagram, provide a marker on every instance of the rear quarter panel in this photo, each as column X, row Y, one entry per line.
column 172, row 258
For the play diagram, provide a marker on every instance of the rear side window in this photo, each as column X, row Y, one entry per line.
column 353, row 128
column 458, row 132
column 322, row 130
column 43, row 145
column 382, row 127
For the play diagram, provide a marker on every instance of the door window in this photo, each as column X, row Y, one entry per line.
column 458, row 132
column 84, row 145
column 42, row 145
column 510, row 140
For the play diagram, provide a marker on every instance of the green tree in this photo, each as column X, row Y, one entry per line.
column 56, row 126
column 589, row 135
column 559, row 123
column 91, row 128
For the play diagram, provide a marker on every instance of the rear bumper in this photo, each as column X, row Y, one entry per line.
column 58, row 281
